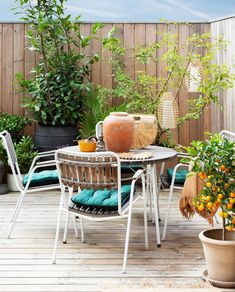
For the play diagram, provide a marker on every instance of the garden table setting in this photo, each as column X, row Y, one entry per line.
column 131, row 136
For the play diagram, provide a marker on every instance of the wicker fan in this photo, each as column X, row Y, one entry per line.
column 145, row 130
column 195, row 75
column 168, row 111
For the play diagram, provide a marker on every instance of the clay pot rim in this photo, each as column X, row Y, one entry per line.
column 208, row 240
column 118, row 114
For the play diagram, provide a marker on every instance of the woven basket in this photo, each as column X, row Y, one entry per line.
column 194, row 75
column 168, row 112
column 145, row 130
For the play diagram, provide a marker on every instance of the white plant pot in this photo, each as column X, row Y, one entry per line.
column 11, row 182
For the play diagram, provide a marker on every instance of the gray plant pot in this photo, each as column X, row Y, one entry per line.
column 51, row 138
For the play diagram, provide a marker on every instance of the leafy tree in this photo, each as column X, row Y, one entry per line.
column 144, row 93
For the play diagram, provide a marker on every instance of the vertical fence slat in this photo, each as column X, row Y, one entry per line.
column 7, row 68
column 30, row 60
column 107, row 80
column 129, row 43
column 140, row 33
column 96, row 69
column 151, row 37
column 183, row 94
column 18, row 65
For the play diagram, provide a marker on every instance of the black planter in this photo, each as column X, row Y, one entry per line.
column 51, row 138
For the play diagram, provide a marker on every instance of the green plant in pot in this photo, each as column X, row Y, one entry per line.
column 61, row 77
column 214, row 163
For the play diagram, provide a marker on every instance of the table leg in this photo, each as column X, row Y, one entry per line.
column 155, row 201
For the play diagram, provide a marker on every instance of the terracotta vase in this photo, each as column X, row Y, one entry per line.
column 118, row 132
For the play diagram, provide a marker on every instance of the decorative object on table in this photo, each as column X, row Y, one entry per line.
column 118, row 132
column 194, row 76
column 100, row 145
column 145, row 130
column 135, row 155
column 88, row 145
column 213, row 162
column 168, row 112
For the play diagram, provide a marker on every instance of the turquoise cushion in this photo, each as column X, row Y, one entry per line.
column 42, row 178
column 107, row 199
column 180, row 176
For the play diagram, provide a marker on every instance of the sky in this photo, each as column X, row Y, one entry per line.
column 138, row 10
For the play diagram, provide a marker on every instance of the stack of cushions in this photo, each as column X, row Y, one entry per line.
column 106, row 200
column 46, row 177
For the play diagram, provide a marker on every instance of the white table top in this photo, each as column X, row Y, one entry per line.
column 159, row 154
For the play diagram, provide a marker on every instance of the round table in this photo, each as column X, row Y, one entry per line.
column 159, row 155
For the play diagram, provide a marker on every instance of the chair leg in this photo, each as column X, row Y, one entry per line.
column 58, row 226
column 127, row 240
column 75, row 226
column 145, row 215
column 167, row 212
column 16, row 212
column 82, row 230
column 16, row 207
column 66, row 228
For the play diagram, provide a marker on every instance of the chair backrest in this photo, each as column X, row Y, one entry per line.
column 12, row 158
column 99, row 170
column 227, row 134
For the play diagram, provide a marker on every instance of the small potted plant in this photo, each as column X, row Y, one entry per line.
column 214, row 163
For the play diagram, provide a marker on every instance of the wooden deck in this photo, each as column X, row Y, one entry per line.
column 25, row 260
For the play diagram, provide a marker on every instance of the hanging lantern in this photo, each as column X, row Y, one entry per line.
column 168, row 112
column 194, row 76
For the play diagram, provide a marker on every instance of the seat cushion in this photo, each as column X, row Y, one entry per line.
column 45, row 177
column 130, row 168
column 180, row 176
column 102, row 199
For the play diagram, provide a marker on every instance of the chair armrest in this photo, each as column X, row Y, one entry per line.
column 45, row 163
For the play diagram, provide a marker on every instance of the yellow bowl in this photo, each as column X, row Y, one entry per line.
column 87, row 146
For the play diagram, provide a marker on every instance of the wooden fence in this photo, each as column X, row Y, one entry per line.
column 14, row 57
column 223, row 118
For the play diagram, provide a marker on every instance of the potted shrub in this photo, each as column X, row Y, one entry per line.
column 214, row 163
column 61, row 77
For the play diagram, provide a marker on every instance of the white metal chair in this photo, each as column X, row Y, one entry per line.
column 96, row 171
column 173, row 187
column 35, row 166
column 227, row 134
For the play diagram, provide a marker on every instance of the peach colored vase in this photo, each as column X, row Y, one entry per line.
column 118, row 131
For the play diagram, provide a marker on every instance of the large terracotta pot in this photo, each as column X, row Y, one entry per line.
column 220, row 257
column 118, row 131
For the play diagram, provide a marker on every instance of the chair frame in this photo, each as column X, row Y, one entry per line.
column 73, row 181
column 14, row 166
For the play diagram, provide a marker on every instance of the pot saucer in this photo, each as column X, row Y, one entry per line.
column 216, row 283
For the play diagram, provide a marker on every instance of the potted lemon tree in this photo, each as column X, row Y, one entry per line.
column 214, row 163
